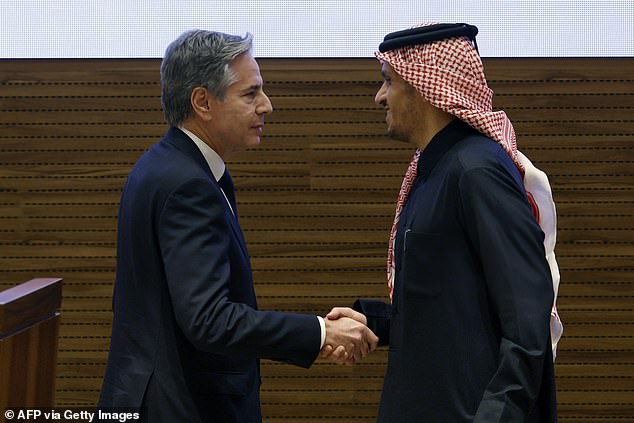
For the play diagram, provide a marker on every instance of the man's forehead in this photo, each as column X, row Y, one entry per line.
column 246, row 69
column 244, row 61
column 386, row 68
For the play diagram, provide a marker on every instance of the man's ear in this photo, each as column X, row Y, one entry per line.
column 201, row 101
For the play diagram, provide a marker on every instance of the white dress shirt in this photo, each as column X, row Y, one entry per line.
column 215, row 162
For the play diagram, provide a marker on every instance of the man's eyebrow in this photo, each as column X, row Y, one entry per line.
column 252, row 87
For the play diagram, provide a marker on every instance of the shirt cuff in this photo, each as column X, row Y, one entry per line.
column 322, row 324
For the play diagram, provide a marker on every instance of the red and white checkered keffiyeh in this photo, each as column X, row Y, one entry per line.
column 449, row 75
column 406, row 187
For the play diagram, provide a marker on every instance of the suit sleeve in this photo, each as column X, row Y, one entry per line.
column 509, row 243
column 195, row 241
column 377, row 314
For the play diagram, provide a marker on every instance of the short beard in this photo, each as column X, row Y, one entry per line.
column 412, row 95
column 395, row 135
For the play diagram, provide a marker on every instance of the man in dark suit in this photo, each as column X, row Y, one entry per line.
column 470, row 284
column 186, row 334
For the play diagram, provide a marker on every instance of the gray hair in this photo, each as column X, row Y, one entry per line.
column 198, row 59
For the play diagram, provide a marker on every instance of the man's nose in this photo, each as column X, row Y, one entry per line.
column 265, row 106
column 379, row 98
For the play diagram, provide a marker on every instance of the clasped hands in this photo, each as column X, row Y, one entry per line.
column 348, row 339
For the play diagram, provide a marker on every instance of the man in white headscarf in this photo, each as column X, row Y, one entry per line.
column 472, row 327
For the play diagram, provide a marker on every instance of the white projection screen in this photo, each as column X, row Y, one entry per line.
column 317, row 28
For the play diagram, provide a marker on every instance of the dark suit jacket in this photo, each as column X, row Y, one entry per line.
column 187, row 334
column 468, row 327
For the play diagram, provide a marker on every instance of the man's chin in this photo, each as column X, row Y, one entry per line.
column 396, row 135
column 254, row 142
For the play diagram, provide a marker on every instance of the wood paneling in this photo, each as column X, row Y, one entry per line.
column 29, row 326
column 316, row 203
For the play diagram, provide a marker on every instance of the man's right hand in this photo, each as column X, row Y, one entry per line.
column 347, row 340
column 338, row 312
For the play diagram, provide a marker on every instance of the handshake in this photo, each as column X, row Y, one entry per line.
column 348, row 339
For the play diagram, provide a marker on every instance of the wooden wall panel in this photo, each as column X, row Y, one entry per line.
column 316, row 202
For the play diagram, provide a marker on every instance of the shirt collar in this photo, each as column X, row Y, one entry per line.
column 440, row 144
column 215, row 162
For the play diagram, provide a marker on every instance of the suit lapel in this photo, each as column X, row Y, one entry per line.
column 183, row 143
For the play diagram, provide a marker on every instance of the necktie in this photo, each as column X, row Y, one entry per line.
column 226, row 183
column 406, row 186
